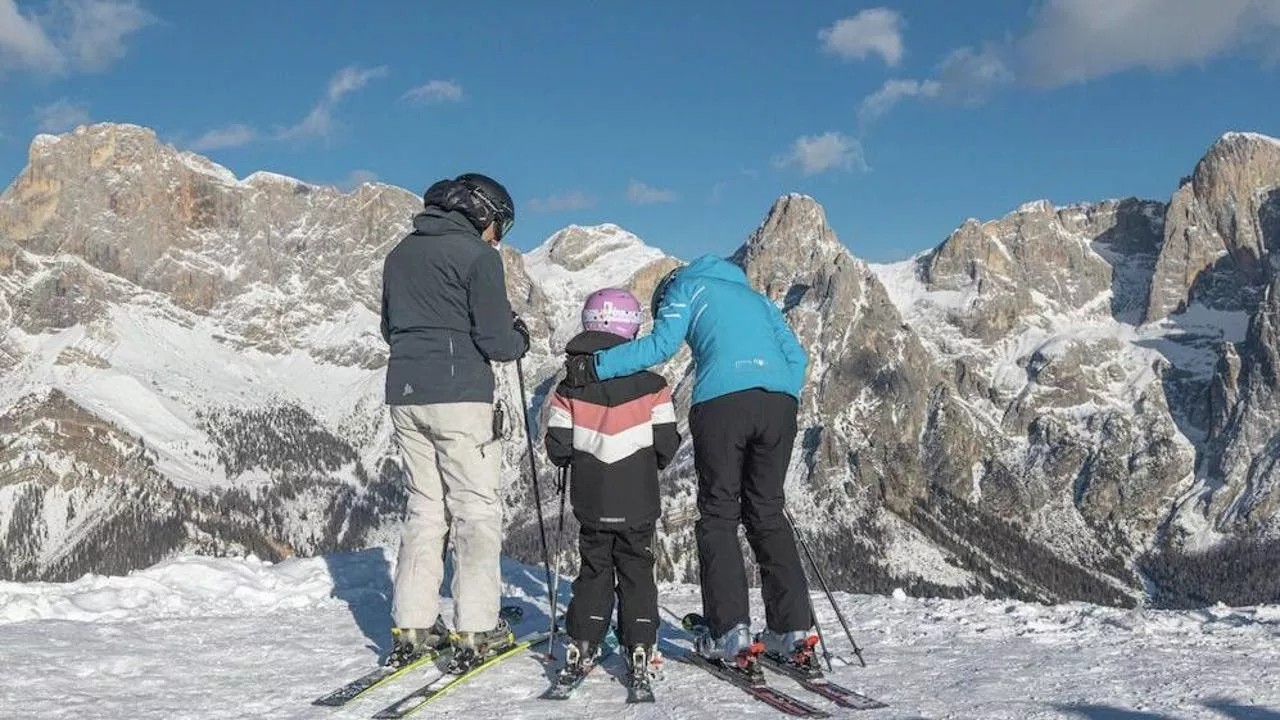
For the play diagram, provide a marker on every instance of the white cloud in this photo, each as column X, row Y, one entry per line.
column 319, row 122
column 61, row 116
column 358, row 178
column 876, row 30
column 717, row 191
column 435, row 91
column 891, row 93
column 351, row 78
column 642, row 194
column 24, row 43
column 1078, row 40
column 576, row 200
column 85, row 35
column 98, row 29
column 225, row 137
column 970, row 77
column 965, row 77
column 820, row 153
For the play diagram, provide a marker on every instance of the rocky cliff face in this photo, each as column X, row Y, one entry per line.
column 1219, row 223
column 1031, row 408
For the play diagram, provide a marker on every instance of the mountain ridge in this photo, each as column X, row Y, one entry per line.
column 1016, row 411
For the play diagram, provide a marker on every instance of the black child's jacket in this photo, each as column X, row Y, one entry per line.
column 616, row 434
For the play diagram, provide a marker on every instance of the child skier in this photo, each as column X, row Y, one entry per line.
column 614, row 436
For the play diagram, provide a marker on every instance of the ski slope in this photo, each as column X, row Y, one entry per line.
column 198, row 637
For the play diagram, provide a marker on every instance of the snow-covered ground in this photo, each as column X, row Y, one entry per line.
column 198, row 637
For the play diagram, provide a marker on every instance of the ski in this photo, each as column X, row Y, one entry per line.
column 425, row 694
column 385, row 673
column 567, row 681
column 640, row 685
column 640, row 690
column 818, row 683
column 770, row 696
column 374, row 678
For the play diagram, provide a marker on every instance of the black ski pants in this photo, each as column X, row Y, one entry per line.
column 742, row 446
column 615, row 562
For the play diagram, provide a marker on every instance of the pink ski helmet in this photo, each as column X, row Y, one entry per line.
column 612, row 310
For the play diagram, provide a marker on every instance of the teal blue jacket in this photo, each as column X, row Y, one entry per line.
column 739, row 338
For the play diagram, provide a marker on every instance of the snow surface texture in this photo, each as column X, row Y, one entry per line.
column 197, row 637
column 159, row 371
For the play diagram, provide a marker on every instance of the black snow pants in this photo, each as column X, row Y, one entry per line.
column 621, row 562
column 742, row 446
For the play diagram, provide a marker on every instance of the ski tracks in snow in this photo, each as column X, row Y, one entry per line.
column 228, row 638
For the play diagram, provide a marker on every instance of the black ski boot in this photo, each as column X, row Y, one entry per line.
column 643, row 666
column 579, row 656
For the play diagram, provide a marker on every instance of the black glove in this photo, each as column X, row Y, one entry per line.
column 521, row 328
column 580, row 370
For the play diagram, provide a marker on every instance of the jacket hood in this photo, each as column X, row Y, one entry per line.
column 585, row 343
column 716, row 268
column 434, row 221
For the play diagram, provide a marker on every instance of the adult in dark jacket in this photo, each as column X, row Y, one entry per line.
column 446, row 316
column 748, row 372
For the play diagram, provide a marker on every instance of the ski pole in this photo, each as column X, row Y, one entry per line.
column 826, row 652
column 537, row 494
column 813, row 613
column 561, row 483
column 830, row 598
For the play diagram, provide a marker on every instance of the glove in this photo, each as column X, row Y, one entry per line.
column 521, row 328
column 580, row 370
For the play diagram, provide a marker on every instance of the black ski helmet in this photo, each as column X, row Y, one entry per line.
column 494, row 202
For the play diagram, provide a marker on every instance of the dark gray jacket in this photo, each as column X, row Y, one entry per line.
column 445, row 313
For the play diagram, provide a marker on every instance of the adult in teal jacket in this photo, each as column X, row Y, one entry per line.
column 749, row 369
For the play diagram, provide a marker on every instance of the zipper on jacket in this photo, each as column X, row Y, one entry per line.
column 451, row 372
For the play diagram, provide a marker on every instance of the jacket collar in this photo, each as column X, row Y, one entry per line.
column 590, row 341
column 434, row 221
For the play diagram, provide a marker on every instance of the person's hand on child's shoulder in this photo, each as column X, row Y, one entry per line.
column 580, row 370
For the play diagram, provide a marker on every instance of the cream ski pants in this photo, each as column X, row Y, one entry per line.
column 453, row 462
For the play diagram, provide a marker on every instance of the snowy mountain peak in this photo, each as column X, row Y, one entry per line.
column 1248, row 137
column 796, row 226
column 1042, row 206
column 41, row 141
column 579, row 260
column 1237, row 157
column 577, row 246
column 97, row 133
column 1220, row 228
column 264, row 177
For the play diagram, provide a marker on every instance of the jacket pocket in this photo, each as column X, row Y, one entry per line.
column 499, row 421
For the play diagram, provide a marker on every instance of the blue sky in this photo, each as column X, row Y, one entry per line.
column 679, row 121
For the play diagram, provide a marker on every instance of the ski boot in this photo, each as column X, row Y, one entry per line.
column 579, row 656
column 644, row 665
column 409, row 644
column 472, row 648
column 735, row 649
column 796, row 649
